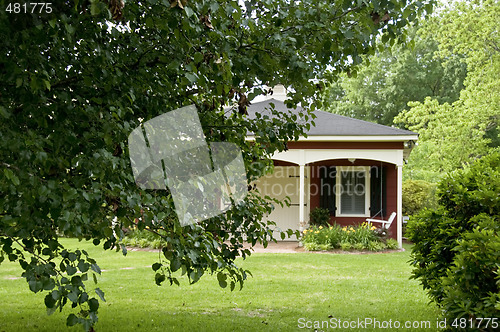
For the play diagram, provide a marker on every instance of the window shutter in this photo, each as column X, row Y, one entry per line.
column 378, row 187
column 328, row 176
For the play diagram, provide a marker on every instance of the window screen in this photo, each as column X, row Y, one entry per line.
column 353, row 192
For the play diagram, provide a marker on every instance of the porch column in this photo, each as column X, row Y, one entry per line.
column 301, row 197
column 399, row 217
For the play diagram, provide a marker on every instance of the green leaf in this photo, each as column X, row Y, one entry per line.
column 221, row 277
column 407, row 12
column 73, row 297
column 9, row 174
column 76, row 280
column 189, row 11
column 72, row 320
column 198, row 57
column 50, row 311
column 156, row 266
column 70, row 270
column 175, row 265
column 192, row 77
column 83, row 266
column 72, row 256
column 49, row 301
column 95, row 7
column 83, row 298
column 100, row 293
column 47, row 84
column 93, row 304
column 55, row 294
column 49, row 284
column 35, row 285
column 159, row 278
column 95, row 268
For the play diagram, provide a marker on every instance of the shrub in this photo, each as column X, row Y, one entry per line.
column 455, row 243
column 434, row 234
column 345, row 246
column 392, row 244
column 377, row 246
column 319, row 217
column 142, row 239
column 324, row 247
column 417, row 195
column 311, row 246
column 358, row 246
column 471, row 286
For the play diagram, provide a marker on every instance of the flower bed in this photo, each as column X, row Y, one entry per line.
column 362, row 237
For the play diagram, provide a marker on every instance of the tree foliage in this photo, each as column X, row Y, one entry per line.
column 382, row 88
column 454, row 133
column 77, row 81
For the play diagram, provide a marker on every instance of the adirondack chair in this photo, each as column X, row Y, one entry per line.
column 385, row 223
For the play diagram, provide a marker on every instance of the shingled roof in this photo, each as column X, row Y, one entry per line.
column 329, row 124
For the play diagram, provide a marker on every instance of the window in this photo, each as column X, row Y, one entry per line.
column 352, row 191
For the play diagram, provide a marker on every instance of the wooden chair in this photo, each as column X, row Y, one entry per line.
column 385, row 223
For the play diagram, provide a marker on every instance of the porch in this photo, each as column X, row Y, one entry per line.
column 353, row 184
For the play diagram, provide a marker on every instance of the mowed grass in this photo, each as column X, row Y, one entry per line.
column 284, row 289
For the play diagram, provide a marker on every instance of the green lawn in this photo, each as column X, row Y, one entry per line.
column 287, row 291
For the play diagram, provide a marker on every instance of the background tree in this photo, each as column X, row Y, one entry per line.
column 75, row 82
column 393, row 77
column 456, row 133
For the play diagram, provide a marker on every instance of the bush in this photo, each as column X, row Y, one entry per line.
column 345, row 246
column 142, row 239
column 471, row 286
column 376, row 246
column 319, row 217
column 455, row 255
column 434, row 235
column 311, row 246
column 417, row 195
column 358, row 246
column 473, row 190
column 392, row 244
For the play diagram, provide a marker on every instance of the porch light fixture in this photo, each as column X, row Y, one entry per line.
column 409, row 144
